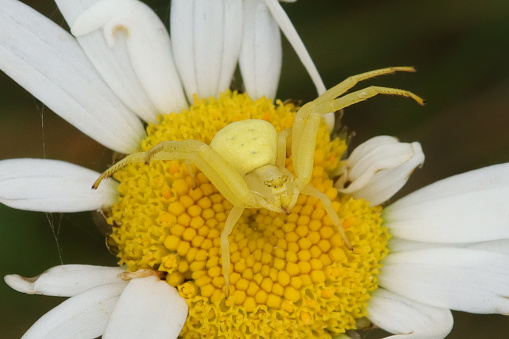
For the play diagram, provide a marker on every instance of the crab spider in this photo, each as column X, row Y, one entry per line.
column 246, row 159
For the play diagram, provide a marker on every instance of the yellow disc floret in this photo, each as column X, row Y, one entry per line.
column 291, row 275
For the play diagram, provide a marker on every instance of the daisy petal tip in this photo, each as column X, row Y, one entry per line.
column 80, row 28
column 85, row 24
column 20, row 284
column 100, row 15
column 408, row 318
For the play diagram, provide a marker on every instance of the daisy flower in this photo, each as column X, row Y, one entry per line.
column 443, row 247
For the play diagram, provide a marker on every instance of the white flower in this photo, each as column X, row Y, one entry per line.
column 102, row 304
column 450, row 243
column 122, row 67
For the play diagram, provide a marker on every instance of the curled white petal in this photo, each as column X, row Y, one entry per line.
column 462, row 279
column 378, row 168
column 65, row 280
column 261, row 52
column 82, row 316
column 469, row 207
column 148, row 308
column 408, row 318
column 148, row 44
column 52, row 186
column 112, row 62
column 48, row 63
column 206, row 37
column 374, row 155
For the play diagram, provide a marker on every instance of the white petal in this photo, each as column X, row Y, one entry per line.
column 293, row 37
column 469, row 207
column 402, row 245
column 83, row 316
column 52, row 186
column 208, row 22
column 65, row 280
column 148, row 308
column 113, row 63
column 48, row 63
column 148, row 44
column 206, row 37
column 460, row 279
column 232, row 39
column 182, row 35
column 408, row 318
column 261, row 52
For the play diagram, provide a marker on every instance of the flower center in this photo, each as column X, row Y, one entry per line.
column 291, row 274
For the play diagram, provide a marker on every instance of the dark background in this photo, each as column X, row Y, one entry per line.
column 461, row 51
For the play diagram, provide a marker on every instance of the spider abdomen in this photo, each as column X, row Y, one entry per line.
column 247, row 144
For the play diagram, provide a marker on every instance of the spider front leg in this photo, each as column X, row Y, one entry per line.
column 130, row 159
column 303, row 158
column 353, row 80
column 307, row 120
column 304, row 133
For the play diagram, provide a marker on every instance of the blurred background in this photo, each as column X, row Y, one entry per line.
column 461, row 51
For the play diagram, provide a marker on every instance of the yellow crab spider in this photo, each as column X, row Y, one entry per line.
column 246, row 159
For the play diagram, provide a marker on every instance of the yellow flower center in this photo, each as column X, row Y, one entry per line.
column 291, row 275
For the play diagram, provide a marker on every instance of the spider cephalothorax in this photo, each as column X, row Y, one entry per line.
column 246, row 159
